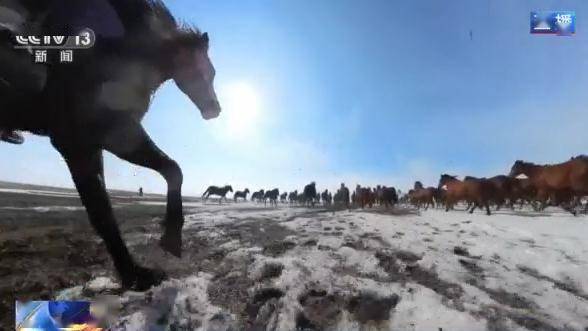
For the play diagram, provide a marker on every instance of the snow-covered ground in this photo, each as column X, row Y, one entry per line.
column 256, row 268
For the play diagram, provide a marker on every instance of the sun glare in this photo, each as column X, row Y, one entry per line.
column 241, row 107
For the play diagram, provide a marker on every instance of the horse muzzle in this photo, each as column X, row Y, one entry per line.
column 210, row 111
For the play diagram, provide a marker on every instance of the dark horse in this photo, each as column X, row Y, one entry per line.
column 389, row 196
column 342, row 196
column 215, row 190
column 309, row 194
column 272, row 195
column 258, row 196
column 97, row 103
column 293, row 196
column 284, row 197
column 241, row 194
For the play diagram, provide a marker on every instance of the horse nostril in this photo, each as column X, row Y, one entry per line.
column 210, row 113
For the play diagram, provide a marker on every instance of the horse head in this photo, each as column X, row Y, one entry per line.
column 182, row 52
column 520, row 167
column 193, row 72
column 246, row 191
column 445, row 178
column 229, row 188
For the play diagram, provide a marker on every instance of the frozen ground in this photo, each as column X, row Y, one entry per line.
column 247, row 267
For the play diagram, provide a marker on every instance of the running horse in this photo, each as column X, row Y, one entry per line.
column 563, row 183
column 241, row 194
column 475, row 191
column 272, row 196
column 215, row 190
column 96, row 104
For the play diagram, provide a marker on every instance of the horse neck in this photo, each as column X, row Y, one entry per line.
column 452, row 181
column 151, row 55
column 532, row 170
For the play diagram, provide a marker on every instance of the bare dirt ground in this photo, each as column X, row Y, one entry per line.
column 248, row 267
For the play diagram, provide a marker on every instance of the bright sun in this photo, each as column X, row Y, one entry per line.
column 241, row 107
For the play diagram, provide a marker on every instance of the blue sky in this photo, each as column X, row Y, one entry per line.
column 362, row 92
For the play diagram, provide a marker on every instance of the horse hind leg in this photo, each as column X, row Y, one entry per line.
column 487, row 206
column 130, row 142
column 87, row 173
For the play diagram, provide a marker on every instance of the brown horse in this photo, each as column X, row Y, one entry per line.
column 502, row 188
column 364, row 196
column 522, row 191
column 474, row 190
column 559, row 183
column 422, row 197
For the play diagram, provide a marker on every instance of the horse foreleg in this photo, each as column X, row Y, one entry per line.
column 87, row 173
column 141, row 150
column 474, row 208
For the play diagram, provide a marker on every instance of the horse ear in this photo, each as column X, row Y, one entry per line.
column 205, row 37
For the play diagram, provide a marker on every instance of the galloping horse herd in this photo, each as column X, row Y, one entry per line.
column 564, row 185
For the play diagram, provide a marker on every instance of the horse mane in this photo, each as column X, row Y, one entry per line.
column 447, row 175
column 580, row 157
column 525, row 163
column 152, row 20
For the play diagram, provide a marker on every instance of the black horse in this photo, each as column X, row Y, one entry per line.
column 272, row 195
column 342, row 196
column 241, row 194
column 327, row 198
column 97, row 103
column 215, row 190
column 284, row 197
column 309, row 194
column 293, row 197
column 258, row 196
column 389, row 196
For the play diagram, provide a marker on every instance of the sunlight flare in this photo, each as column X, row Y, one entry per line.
column 242, row 108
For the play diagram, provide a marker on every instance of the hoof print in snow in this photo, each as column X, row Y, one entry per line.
column 217, row 255
column 277, row 248
column 368, row 307
column 220, row 321
column 472, row 267
column 320, row 309
column 325, row 248
column 461, row 251
column 310, row 242
column 304, row 324
column 260, row 310
column 230, row 291
column 271, row 270
column 398, row 270
column 358, row 245
column 265, row 294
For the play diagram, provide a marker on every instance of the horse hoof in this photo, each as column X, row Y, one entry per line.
column 143, row 279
